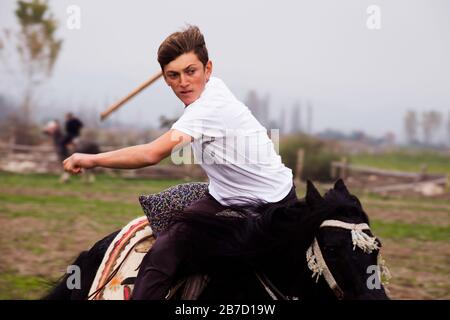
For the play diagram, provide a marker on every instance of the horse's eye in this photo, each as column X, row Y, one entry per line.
column 330, row 249
column 379, row 242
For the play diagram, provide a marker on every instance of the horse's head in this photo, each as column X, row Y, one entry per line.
column 344, row 254
column 51, row 128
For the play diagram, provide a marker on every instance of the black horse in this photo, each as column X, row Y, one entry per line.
column 272, row 257
column 351, row 266
column 64, row 150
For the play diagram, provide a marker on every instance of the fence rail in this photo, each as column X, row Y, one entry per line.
column 385, row 181
column 43, row 159
column 343, row 169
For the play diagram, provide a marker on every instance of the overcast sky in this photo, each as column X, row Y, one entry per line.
column 321, row 51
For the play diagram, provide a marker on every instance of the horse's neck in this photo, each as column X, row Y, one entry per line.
column 57, row 135
column 309, row 289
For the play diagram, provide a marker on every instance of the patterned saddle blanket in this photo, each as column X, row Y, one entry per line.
column 121, row 262
column 120, row 265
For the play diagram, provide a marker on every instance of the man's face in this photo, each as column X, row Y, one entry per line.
column 187, row 77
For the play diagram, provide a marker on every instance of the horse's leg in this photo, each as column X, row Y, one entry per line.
column 88, row 262
column 65, row 177
column 91, row 176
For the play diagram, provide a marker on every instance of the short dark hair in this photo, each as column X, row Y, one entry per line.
column 181, row 42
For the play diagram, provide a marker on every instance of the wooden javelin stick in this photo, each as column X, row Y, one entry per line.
column 122, row 101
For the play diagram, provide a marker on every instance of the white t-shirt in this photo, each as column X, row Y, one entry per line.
column 233, row 148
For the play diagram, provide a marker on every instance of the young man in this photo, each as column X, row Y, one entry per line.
column 217, row 125
column 73, row 127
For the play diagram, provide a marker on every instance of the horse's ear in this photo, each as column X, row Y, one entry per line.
column 313, row 196
column 340, row 186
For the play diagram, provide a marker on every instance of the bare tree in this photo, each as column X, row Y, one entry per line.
column 36, row 46
column 309, row 118
column 431, row 123
column 448, row 128
column 282, row 121
column 296, row 125
column 264, row 105
column 411, row 125
column 166, row 123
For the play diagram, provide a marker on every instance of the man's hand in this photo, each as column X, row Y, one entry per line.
column 78, row 161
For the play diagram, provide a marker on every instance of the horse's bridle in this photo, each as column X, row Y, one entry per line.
column 317, row 264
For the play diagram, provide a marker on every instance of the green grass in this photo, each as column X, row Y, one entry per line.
column 409, row 200
column 408, row 207
column 103, row 184
column 64, row 207
column 399, row 230
column 405, row 161
column 14, row 286
column 62, row 211
column 110, row 200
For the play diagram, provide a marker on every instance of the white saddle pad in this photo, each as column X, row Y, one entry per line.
column 121, row 261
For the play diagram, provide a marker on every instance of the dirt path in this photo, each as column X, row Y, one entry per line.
column 31, row 246
column 435, row 218
column 419, row 269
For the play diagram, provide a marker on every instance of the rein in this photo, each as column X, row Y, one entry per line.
column 317, row 264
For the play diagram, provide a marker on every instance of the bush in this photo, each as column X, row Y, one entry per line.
column 317, row 161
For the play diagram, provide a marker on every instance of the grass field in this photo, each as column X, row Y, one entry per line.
column 405, row 161
column 45, row 224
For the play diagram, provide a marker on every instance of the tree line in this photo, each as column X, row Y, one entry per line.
column 425, row 127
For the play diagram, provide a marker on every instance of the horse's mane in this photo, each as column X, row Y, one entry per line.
column 251, row 236
column 344, row 204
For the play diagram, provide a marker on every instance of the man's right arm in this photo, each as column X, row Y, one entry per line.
column 134, row 157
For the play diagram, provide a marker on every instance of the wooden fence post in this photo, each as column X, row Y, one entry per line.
column 344, row 169
column 333, row 170
column 299, row 165
column 423, row 172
